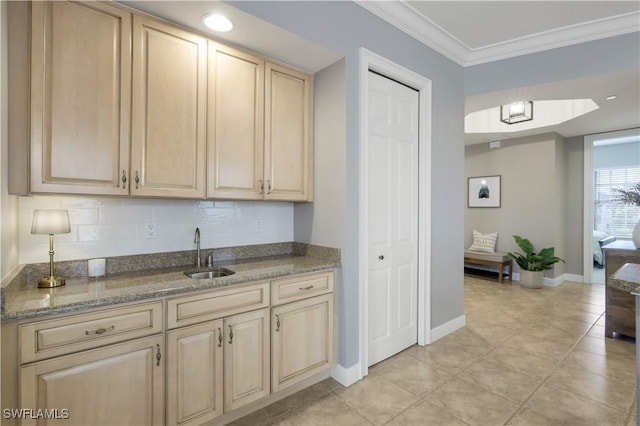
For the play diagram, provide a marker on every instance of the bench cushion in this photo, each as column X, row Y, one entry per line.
column 491, row 257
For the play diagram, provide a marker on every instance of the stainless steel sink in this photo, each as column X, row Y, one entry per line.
column 200, row 274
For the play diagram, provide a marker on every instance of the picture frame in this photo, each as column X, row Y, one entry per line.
column 484, row 191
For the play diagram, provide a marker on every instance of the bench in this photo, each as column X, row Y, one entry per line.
column 501, row 260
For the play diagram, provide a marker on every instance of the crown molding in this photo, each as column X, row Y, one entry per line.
column 405, row 18
column 418, row 26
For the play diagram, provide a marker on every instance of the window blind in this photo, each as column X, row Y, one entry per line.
column 610, row 215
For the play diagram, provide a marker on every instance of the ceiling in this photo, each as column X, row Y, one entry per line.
column 468, row 32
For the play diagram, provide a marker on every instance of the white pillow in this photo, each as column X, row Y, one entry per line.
column 484, row 242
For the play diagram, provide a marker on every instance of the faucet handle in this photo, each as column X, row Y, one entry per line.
column 210, row 259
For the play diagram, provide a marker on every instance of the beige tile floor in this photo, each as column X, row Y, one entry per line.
column 525, row 357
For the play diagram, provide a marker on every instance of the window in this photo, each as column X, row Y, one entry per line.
column 610, row 215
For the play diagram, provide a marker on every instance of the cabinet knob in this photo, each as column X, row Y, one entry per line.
column 381, row 257
column 230, row 334
column 124, row 178
column 219, row 337
column 137, row 179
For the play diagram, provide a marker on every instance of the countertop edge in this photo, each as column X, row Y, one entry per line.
column 627, row 278
column 197, row 286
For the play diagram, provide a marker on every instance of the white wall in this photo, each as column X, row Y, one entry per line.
column 322, row 222
column 115, row 226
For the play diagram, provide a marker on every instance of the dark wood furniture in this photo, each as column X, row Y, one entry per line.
column 620, row 305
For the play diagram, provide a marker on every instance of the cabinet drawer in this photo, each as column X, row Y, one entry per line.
column 75, row 333
column 216, row 304
column 299, row 287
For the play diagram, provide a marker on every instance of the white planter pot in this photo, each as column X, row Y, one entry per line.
column 531, row 279
column 636, row 235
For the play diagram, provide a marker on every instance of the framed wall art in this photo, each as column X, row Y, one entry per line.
column 484, row 191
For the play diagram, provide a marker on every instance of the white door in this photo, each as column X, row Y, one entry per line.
column 392, row 217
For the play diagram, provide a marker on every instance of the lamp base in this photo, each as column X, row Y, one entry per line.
column 51, row 282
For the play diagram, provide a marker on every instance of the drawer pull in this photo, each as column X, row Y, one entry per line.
column 277, row 322
column 309, row 287
column 100, row 330
column 219, row 337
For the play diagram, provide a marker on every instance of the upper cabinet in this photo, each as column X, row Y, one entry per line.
column 288, row 160
column 105, row 101
column 168, row 113
column 80, row 97
column 259, row 129
column 235, row 124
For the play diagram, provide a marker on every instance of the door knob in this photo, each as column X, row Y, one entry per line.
column 381, row 257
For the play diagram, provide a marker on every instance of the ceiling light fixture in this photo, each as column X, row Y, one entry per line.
column 610, row 98
column 516, row 112
column 218, row 22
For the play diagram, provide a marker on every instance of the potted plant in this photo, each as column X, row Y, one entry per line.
column 532, row 264
column 631, row 197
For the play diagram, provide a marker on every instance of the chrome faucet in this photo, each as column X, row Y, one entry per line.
column 196, row 240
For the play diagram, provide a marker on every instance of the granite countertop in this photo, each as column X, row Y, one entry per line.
column 627, row 278
column 22, row 299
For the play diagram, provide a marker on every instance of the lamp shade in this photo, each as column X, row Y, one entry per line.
column 50, row 222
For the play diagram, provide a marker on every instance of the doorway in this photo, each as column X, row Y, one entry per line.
column 407, row 260
column 611, row 160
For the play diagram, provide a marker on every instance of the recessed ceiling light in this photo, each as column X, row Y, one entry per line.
column 610, row 98
column 218, row 22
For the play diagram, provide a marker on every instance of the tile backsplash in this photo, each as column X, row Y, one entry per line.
column 103, row 227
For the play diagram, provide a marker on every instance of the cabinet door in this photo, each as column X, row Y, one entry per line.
column 194, row 373
column 246, row 358
column 235, row 124
column 302, row 340
column 288, row 153
column 169, row 95
column 118, row 384
column 80, row 97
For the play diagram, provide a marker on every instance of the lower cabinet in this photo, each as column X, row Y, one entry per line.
column 221, row 363
column 118, row 384
column 194, row 373
column 301, row 340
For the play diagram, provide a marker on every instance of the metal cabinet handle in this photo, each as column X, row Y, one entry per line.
column 277, row 322
column 158, row 355
column 261, row 185
column 100, row 330
column 230, row 334
column 219, row 337
column 137, row 179
column 268, row 186
column 309, row 287
column 124, row 178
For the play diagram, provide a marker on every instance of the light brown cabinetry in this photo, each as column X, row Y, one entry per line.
column 235, row 124
column 119, row 103
column 200, row 386
column 302, row 340
column 79, row 92
column 168, row 113
column 246, row 358
column 259, row 128
column 288, row 156
column 104, row 367
column 302, row 328
column 195, row 373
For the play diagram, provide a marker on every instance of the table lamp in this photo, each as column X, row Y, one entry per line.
column 50, row 222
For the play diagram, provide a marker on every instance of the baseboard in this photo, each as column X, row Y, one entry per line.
column 573, row 278
column 447, row 328
column 346, row 376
